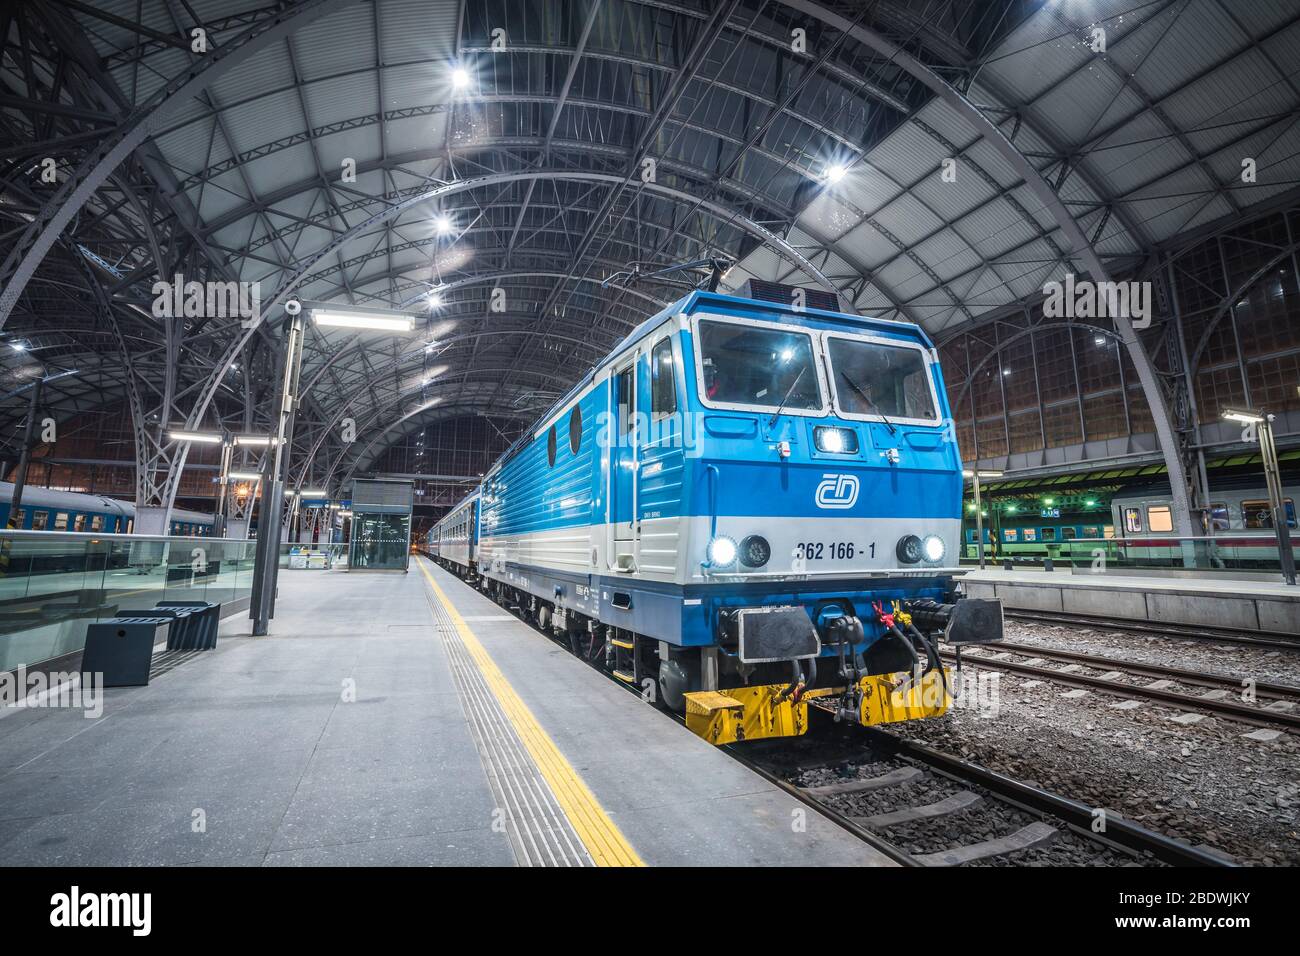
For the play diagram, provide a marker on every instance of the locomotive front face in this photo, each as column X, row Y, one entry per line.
column 827, row 504
column 826, row 454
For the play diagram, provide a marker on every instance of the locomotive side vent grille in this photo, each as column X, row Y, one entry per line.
column 766, row 291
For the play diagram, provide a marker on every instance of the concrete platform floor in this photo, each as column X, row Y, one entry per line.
column 365, row 731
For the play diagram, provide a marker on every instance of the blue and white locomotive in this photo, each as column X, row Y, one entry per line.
column 748, row 508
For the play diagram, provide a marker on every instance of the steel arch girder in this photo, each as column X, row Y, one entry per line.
column 41, row 234
column 1080, row 247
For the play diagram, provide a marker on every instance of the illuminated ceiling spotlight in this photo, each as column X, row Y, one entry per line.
column 836, row 172
column 443, row 224
column 18, row 346
column 358, row 320
column 460, row 78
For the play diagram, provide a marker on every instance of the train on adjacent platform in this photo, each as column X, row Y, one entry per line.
column 747, row 509
column 1136, row 526
column 46, row 509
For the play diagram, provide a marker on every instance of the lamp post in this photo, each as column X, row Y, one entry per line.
column 1263, row 422
column 267, row 563
column 975, row 477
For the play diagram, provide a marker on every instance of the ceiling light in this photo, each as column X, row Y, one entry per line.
column 460, row 78
column 1246, row 416
column 245, row 476
column 211, row 438
column 18, row 346
column 358, row 320
column 312, row 493
column 255, row 441
column 443, row 223
column 835, row 173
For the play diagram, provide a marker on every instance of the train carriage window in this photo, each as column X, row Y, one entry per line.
column 758, row 367
column 1049, row 534
column 61, row 521
column 663, row 388
column 1029, row 534
column 1108, row 531
column 1091, row 531
column 22, row 516
column 1133, row 519
column 96, row 522
column 1160, row 518
column 1067, row 534
column 872, row 378
column 1256, row 514
column 1009, row 534
column 40, row 520
column 1219, row 517
column 575, row 429
column 79, row 523
column 550, row 446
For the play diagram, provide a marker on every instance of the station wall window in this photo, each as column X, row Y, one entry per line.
column 663, row 388
column 61, row 521
column 1049, row 534
column 1160, row 518
column 1133, row 519
column 1255, row 514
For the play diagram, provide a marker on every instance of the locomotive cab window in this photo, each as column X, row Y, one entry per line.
column 663, row 388
column 875, row 379
column 1160, row 518
column 756, row 367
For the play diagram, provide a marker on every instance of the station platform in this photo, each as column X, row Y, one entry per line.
column 1199, row 600
column 389, row 719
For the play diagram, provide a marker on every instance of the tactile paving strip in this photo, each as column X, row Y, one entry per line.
column 539, row 830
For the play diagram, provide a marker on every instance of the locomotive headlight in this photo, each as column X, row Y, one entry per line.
column 836, row 441
column 721, row 552
column 909, row 549
column 933, row 548
column 755, row 551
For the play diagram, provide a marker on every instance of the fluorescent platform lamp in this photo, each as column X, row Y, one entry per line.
column 256, row 441
column 362, row 320
column 211, row 438
column 1247, row 416
column 312, row 493
column 245, row 476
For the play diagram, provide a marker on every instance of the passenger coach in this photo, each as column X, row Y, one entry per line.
column 748, row 508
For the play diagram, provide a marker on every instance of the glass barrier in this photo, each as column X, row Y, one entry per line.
column 53, row 584
column 1244, row 552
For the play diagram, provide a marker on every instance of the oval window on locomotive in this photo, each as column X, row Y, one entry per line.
column 750, row 366
column 875, row 379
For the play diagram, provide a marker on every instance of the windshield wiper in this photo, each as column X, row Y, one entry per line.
column 788, row 392
column 867, row 399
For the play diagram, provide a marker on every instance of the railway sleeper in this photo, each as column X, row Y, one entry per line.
column 1035, row 834
column 963, row 800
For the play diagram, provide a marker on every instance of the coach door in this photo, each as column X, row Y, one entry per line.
column 622, row 467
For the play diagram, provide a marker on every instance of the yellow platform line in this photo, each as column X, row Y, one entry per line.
column 602, row 838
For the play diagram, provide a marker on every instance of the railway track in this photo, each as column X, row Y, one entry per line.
column 1280, row 713
column 1181, row 631
column 926, row 788
column 922, row 807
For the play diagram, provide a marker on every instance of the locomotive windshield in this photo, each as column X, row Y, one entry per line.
column 872, row 378
column 753, row 366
